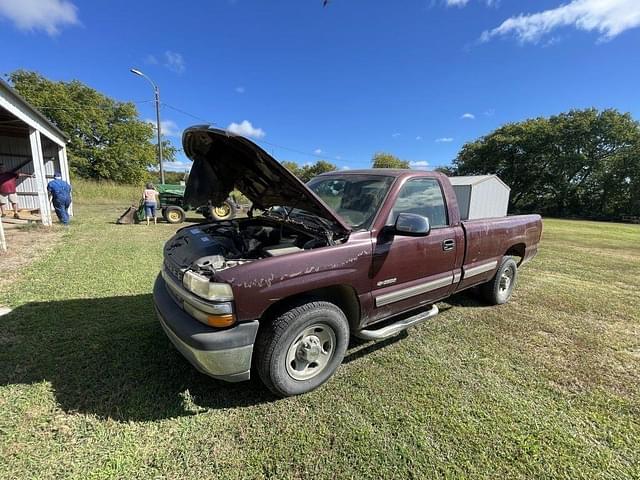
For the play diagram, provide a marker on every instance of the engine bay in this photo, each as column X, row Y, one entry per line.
column 209, row 248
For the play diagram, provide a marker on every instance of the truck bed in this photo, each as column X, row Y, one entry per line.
column 487, row 240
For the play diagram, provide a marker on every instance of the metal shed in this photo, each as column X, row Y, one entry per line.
column 27, row 136
column 481, row 196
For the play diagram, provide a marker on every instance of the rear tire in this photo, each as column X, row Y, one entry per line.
column 174, row 214
column 498, row 290
column 225, row 211
column 301, row 348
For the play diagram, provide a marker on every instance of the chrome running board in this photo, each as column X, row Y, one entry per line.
column 397, row 327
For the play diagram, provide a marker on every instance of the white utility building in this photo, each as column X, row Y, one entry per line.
column 481, row 196
column 30, row 143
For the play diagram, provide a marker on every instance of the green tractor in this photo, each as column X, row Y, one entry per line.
column 174, row 208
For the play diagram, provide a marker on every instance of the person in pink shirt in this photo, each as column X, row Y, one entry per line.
column 8, row 193
column 150, row 196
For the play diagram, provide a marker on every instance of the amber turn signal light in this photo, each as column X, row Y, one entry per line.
column 221, row 320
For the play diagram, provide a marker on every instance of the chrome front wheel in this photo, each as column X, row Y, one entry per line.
column 311, row 351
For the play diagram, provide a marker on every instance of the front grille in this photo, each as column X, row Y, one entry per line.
column 174, row 270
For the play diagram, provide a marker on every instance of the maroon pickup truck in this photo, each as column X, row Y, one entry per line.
column 361, row 252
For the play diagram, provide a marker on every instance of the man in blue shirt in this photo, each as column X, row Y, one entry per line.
column 60, row 193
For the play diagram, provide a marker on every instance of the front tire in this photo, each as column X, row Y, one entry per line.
column 302, row 348
column 498, row 290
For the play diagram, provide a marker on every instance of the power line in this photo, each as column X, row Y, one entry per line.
column 275, row 145
column 187, row 113
column 209, row 122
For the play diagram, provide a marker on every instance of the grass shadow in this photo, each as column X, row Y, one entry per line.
column 109, row 357
column 467, row 298
column 359, row 348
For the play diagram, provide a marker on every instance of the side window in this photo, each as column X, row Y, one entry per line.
column 422, row 196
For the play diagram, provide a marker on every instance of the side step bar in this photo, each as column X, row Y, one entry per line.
column 399, row 326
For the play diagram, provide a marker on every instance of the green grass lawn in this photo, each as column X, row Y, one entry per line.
column 547, row 386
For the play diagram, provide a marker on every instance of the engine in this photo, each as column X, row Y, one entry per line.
column 211, row 248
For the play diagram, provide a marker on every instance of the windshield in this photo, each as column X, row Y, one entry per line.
column 356, row 198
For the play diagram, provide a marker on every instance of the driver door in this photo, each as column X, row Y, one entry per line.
column 408, row 272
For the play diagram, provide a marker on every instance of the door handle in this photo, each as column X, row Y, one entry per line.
column 448, row 244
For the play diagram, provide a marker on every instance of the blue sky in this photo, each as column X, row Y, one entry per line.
column 414, row 78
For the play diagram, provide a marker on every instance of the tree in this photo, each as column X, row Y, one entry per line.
column 583, row 163
column 293, row 167
column 107, row 139
column 387, row 160
column 447, row 170
column 171, row 177
column 307, row 172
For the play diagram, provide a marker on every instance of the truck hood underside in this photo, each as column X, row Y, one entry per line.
column 223, row 161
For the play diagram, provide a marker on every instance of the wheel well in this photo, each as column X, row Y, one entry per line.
column 343, row 296
column 517, row 250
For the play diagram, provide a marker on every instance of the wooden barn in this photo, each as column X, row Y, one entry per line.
column 31, row 144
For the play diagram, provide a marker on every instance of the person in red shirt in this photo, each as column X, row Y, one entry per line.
column 8, row 190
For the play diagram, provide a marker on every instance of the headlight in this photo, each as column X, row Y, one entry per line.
column 202, row 287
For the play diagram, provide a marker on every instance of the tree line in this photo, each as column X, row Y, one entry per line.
column 107, row 139
column 582, row 163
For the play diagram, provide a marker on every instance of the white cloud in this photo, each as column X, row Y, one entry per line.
column 395, row 135
column 151, row 59
column 468, row 116
column 463, row 3
column 47, row 15
column 456, row 3
column 607, row 17
column 245, row 129
column 317, row 151
column 345, row 167
column 444, row 140
column 418, row 137
column 174, row 61
column 177, row 166
column 240, row 89
column 168, row 128
column 490, row 113
column 419, row 164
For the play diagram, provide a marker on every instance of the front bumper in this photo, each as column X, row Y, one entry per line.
column 222, row 354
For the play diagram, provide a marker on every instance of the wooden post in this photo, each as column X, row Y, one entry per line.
column 41, row 180
column 64, row 170
column 3, row 240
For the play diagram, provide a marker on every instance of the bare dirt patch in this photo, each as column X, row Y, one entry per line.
column 25, row 244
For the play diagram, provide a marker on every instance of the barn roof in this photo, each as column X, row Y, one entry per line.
column 15, row 99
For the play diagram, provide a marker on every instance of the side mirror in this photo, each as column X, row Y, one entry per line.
column 412, row 225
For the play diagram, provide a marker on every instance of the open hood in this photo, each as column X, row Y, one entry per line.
column 223, row 161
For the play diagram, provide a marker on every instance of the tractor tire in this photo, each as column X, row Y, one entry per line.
column 226, row 211
column 174, row 214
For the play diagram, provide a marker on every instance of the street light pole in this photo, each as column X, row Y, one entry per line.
column 156, row 92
